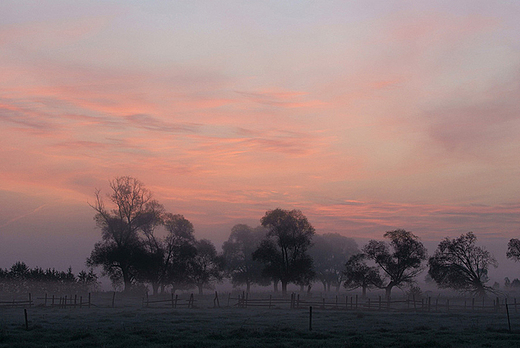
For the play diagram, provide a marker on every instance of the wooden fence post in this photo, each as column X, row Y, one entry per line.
column 26, row 321
column 114, row 299
column 89, row 300
column 176, row 299
column 429, row 303
column 298, row 301
column 216, row 299
column 75, row 300
column 310, row 318
column 351, row 302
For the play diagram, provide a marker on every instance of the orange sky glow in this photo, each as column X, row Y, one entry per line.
column 367, row 116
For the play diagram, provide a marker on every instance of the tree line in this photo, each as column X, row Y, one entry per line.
column 143, row 244
column 19, row 278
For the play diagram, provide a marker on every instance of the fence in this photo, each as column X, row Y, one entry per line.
column 379, row 304
column 295, row 301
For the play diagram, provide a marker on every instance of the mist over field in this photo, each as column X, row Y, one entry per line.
column 270, row 148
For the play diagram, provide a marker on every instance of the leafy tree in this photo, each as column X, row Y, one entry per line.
column 461, row 265
column 284, row 251
column 206, row 267
column 359, row 275
column 179, row 250
column 122, row 251
column 400, row 259
column 238, row 256
column 329, row 253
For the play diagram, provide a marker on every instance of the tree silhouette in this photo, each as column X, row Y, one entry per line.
column 121, row 251
column 400, row 259
column 329, row 253
column 513, row 249
column 238, row 256
column 284, row 252
column 461, row 265
column 359, row 275
column 206, row 267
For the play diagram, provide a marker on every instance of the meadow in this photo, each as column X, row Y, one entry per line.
column 130, row 324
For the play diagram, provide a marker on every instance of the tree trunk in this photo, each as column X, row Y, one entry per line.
column 324, row 286
column 284, row 288
column 302, row 287
column 248, row 287
column 126, row 280
column 388, row 290
column 155, row 288
column 364, row 291
column 200, row 289
column 328, row 287
column 275, row 284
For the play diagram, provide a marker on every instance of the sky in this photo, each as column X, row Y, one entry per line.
column 367, row 116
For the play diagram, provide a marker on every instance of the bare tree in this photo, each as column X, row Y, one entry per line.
column 121, row 251
column 461, row 265
column 400, row 259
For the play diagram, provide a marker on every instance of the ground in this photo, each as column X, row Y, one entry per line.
column 131, row 325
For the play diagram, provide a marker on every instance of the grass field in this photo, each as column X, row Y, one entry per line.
column 130, row 325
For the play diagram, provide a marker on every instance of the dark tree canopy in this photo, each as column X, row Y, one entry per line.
column 329, row 253
column 513, row 249
column 359, row 275
column 238, row 255
column 121, row 252
column 400, row 259
column 284, row 252
column 206, row 267
column 461, row 265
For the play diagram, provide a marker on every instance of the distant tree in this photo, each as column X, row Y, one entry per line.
column 88, row 281
column 238, row 256
column 329, row 253
column 515, row 283
column 206, row 267
column 400, row 259
column 513, row 249
column 359, row 275
column 122, row 251
column 461, row 265
column 284, row 251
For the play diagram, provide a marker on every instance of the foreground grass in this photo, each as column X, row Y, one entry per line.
column 234, row 327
